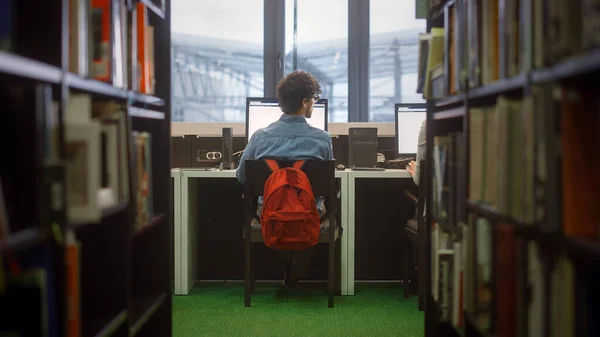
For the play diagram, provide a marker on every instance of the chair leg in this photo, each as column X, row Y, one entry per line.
column 331, row 281
column 248, row 273
column 421, row 285
column 252, row 272
column 406, row 268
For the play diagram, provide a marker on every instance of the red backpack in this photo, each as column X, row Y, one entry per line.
column 289, row 219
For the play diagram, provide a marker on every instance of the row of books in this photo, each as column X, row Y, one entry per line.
column 99, row 146
column 109, row 43
column 488, row 40
column 511, row 284
column 509, row 160
column 501, row 281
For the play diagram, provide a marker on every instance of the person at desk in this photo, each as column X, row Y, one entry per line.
column 292, row 138
column 413, row 167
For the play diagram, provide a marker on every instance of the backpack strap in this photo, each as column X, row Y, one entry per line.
column 299, row 164
column 272, row 164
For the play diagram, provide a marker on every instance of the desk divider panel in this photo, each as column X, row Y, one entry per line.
column 186, row 150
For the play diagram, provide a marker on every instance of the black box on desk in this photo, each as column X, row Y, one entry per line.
column 362, row 147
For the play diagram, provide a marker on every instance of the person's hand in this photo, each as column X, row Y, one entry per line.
column 411, row 168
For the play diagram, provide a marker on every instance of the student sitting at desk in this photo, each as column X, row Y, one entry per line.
column 413, row 167
column 292, row 138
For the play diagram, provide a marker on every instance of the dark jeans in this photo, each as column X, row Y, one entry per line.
column 299, row 261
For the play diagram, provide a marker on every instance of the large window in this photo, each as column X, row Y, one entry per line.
column 217, row 58
column 319, row 44
column 393, row 59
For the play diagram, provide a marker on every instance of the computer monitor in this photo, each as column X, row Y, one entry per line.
column 261, row 112
column 408, row 123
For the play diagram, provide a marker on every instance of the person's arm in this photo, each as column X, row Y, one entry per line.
column 420, row 151
column 248, row 154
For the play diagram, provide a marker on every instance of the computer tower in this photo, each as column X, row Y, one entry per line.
column 362, row 147
column 227, row 149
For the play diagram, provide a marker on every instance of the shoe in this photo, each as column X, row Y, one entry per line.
column 289, row 281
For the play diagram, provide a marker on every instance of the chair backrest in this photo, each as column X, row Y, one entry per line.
column 320, row 173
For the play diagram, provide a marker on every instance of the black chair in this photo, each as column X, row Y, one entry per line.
column 415, row 235
column 321, row 175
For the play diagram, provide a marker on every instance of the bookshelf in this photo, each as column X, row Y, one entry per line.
column 513, row 138
column 85, row 241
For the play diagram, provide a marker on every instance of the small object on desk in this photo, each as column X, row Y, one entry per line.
column 340, row 167
column 368, row 169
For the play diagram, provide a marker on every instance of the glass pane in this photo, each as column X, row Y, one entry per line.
column 217, row 58
column 394, row 53
column 321, row 48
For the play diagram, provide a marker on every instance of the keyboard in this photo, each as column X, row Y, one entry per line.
column 367, row 169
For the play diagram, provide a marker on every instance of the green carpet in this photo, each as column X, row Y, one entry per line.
column 217, row 309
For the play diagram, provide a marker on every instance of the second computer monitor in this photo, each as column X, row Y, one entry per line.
column 261, row 112
column 408, row 124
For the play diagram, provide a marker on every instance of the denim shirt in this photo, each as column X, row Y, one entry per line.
column 291, row 137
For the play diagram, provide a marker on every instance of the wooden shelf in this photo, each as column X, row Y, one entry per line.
column 437, row 13
column 145, row 113
column 493, row 214
column 499, row 87
column 16, row 65
column 105, row 89
column 137, row 97
column 142, row 311
column 154, row 222
column 106, row 213
column 450, row 113
column 23, row 240
column 472, row 323
column 94, row 86
column 582, row 248
column 574, row 66
column 450, row 101
column 105, row 326
column 154, row 8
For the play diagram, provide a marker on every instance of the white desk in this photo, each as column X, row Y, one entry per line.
column 176, row 175
column 186, row 230
column 349, row 233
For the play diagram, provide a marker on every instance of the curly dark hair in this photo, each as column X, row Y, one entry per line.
column 294, row 88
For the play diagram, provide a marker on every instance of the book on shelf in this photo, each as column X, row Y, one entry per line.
column 80, row 28
column 562, row 300
column 505, row 274
column 435, row 56
column 590, row 20
column 474, row 41
column 73, row 283
column 4, row 224
column 104, row 43
column 143, row 168
column 501, row 151
column 446, row 296
column 31, row 287
column 7, row 29
column 424, row 40
column 483, row 272
column 113, row 117
column 580, row 126
column 28, row 202
column 97, row 140
column 145, row 50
